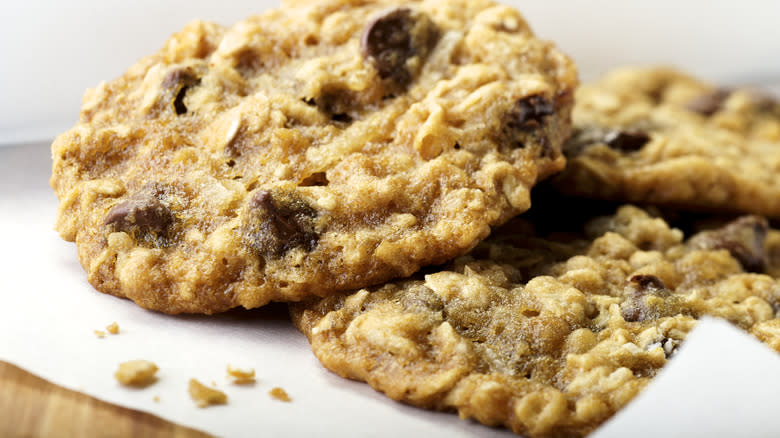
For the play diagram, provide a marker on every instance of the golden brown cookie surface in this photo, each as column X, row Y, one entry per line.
column 659, row 136
column 548, row 337
column 319, row 147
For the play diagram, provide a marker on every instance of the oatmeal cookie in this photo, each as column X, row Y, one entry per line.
column 660, row 136
column 548, row 337
column 320, row 147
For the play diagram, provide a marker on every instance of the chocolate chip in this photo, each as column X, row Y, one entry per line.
column 336, row 103
column 278, row 223
column 143, row 215
column 638, row 309
column 176, row 84
column 524, row 121
column 395, row 37
column 178, row 102
column 529, row 113
column 639, row 287
column 635, row 310
column 626, row 141
column 709, row 104
column 766, row 104
column 647, row 283
column 742, row 238
column 341, row 117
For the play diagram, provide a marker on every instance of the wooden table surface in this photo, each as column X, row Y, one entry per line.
column 33, row 407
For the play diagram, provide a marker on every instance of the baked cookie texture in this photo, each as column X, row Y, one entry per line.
column 654, row 135
column 549, row 337
column 319, row 147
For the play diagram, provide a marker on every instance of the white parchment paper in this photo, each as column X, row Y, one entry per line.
column 722, row 382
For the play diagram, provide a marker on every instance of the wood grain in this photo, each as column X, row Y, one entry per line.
column 33, row 407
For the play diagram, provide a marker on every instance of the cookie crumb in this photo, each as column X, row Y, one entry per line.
column 100, row 333
column 156, row 399
column 138, row 373
column 241, row 376
column 280, row 394
column 204, row 396
column 113, row 328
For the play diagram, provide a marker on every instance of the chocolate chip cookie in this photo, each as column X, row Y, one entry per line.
column 660, row 136
column 319, row 147
column 548, row 337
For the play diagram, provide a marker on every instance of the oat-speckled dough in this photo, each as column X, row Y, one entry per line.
column 659, row 136
column 548, row 337
column 319, row 147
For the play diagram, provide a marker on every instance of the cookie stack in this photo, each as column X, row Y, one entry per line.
column 318, row 151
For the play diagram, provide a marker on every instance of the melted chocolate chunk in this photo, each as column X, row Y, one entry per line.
column 766, row 104
column 341, row 117
column 646, row 283
column 742, row 238
column 709, row 104
column 525, row 121
column 177, row 83
column 639, row 288
column 393, row 38
column 336, row 103
column 528, row 114
column 143, row 215
column 626, row 141
column 277, row 224
column 636, row 310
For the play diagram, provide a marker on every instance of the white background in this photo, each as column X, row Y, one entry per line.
column 52, row 50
